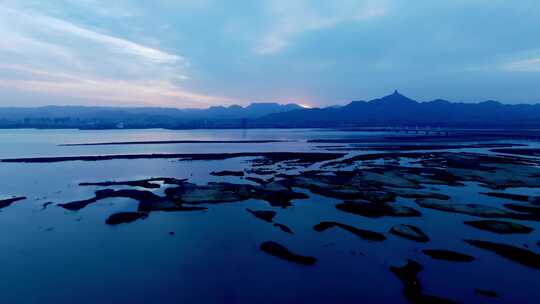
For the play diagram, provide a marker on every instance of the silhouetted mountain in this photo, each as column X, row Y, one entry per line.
column 391, row 110
column 399, row 110
column 112, row 117
column 253, row 110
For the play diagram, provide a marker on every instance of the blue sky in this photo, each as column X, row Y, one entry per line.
column 197, row 53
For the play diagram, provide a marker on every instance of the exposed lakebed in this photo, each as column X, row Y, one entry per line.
column 277, row 221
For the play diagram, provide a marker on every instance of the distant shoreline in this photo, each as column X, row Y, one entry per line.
column 166, row 142
column 391, row 111
column 349, row 128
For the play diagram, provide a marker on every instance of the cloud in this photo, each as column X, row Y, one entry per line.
column 292, row 19
column 59, row 58
column 194, row 52
column 135, row 92
column 524, row 65
column 117, row 45
column 101, row 8
column 112, row 9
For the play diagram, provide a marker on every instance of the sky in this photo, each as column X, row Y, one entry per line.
column 199, row 53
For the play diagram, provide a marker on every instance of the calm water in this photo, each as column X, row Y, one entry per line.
column 57, row 256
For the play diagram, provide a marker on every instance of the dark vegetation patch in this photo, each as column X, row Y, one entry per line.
column 519, row 255
column 510, row 196
column 524, row 208
column 274, row 193
column 448, row 255
column 139, row 195
column 267, row 157
column 410, row 232
column 524, row 152
column 45, row 205
column 412, row 287
column 487, row 293
column 500, row 227
column 418, row 147
column 478, row 210
column 265, row 215
column 227, row 173
column 7, row 202
column 148, row 201
column 291, row 158
column 492, row 171
column 166, row 142
column 280, row 251
column 361, row 233
column 283, row 228
column 453, row 136
column 145, row 183
column 260, row 171
column 184, row 196
column 375, row 156
column 375, row 210
column 259, row 181
column 125, row 217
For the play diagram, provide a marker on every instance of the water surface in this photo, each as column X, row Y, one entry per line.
column 53, row 255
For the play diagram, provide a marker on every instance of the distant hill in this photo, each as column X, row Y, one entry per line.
column 115, row 117
column 388, row 111
column 399, row 110
column 253, row 110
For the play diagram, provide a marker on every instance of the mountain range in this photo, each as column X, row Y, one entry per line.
column 144, row 117
column 392, row 110
column 399, row 110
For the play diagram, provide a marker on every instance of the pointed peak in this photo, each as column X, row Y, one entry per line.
column 395, row 98
column 397, row 94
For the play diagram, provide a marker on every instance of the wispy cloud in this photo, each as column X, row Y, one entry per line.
column 117, row 45
column 133, row 92
column 114, row 9
column 292, row 19
column 101, row 8
column 524, row 65
column 59, row 58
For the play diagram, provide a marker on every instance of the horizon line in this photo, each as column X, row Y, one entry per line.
column 300, row 104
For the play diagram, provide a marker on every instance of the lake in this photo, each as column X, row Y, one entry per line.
column 55, row 255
